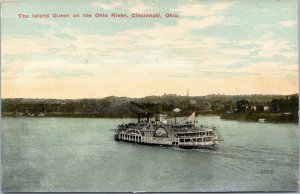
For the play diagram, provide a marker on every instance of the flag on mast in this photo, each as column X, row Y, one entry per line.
column 192, row 117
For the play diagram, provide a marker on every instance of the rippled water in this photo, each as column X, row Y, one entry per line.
column 64, row 154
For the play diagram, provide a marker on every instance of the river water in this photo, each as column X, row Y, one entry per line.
column 79, row 154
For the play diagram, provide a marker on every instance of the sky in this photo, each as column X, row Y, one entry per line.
column 213, row 47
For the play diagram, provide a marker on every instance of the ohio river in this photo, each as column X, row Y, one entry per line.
column 66, row 154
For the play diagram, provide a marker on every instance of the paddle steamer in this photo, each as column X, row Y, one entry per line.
column 186, row 135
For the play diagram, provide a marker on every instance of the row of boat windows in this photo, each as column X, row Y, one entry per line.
column 129, row 136
column 195, row 134
column 187, row 126
column 180, row 140
column 196, row 139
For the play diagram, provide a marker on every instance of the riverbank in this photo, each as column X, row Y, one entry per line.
column 66, row 115
column 252, row 117
column 86, row 115
column 268, row 117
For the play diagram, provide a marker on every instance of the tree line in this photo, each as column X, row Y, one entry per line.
column 113, row 106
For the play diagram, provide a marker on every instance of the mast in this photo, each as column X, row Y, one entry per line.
column 187, row 99
column 187, row 95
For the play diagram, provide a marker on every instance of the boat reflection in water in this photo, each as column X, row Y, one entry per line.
column 183, row 135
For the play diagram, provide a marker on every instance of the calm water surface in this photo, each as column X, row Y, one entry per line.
column 65, row 154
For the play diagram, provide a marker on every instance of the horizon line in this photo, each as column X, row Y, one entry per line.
column 149, row 96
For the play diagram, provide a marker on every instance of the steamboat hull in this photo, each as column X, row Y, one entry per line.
column 165, row 143
column 198, row 147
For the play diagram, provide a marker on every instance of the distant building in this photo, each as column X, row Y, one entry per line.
column 243, row 106
column 259, row 108
column 266, row 108
column 253, row 108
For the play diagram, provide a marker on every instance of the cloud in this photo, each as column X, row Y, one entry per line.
column 271, row 48
column 270, row 68
column 263, row 27
column 194, row 8
column 139, row 7
column 288, row 23
column 268, row 46
column 107, row 5
column 201, row 23
column 132, row 6
column 51, row 68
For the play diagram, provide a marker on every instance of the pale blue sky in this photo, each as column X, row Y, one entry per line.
column 228, row 47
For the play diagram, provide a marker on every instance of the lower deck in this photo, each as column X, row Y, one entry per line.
column 200, row 142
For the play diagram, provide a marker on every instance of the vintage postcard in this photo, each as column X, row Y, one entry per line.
column 149, row 96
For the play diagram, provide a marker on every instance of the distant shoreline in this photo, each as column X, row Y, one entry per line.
column 245, row 117
column 269, row 108
column 265, row 117
column 72, row 115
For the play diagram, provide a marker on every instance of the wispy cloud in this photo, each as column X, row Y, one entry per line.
column 131, row 6
column 288, row 23
column 189, row 50
column 107, row 5
column 194, row 8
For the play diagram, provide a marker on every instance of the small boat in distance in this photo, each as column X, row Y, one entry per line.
column 159, row 132
column 261, row 120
